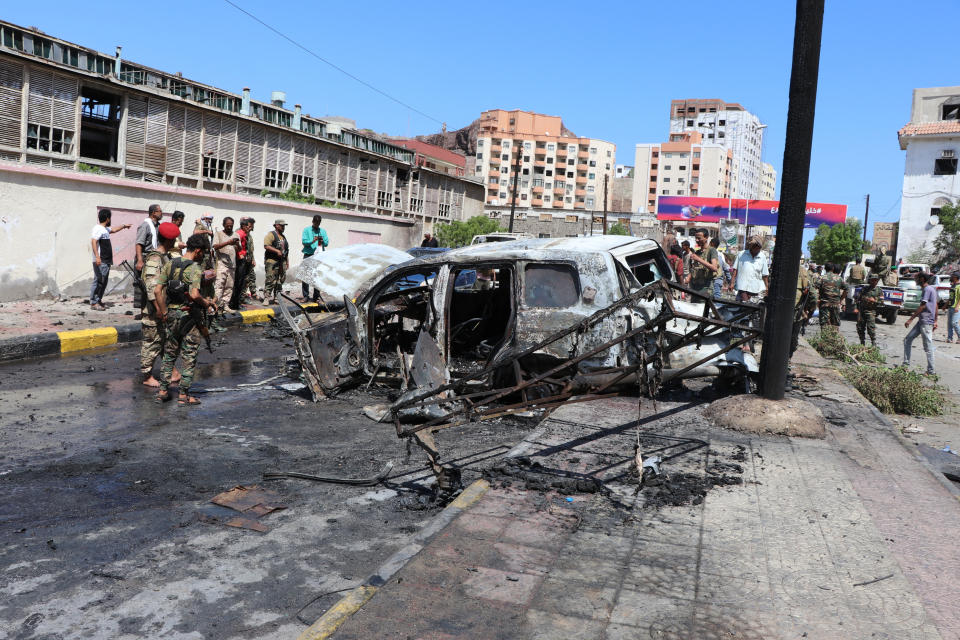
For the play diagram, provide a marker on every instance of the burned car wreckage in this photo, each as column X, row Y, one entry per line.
column 493, row 329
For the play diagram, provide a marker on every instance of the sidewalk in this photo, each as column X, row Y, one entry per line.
column 847, row 537
column 30, row 328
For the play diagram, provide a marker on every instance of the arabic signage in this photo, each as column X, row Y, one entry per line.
column 759, row 212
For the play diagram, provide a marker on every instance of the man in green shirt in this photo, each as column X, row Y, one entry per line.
column 829, row 292
column 176, row 292
column 953, row 308
column 704, row 263
column 313, row 237
column 867, row 302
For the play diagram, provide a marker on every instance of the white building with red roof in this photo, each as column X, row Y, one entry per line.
column 932, row 142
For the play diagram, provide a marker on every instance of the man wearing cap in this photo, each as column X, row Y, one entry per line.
column 154, row 334
column 276, row 260
column 867, row 301
column 204, row 227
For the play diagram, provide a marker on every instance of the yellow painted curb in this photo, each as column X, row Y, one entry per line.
column 256, row 315
column 86, row 339
column 328, row 623
column 470, row 495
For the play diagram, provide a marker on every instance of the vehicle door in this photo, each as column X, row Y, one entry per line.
column 556, row 295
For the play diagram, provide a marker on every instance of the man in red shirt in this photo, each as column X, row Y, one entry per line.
column 242, row 264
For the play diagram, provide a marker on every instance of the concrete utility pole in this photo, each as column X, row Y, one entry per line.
column 605, row 177
column 866, row 216
column 781, row 298
column 516, row 176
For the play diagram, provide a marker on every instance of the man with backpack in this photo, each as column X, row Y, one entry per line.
column 177, row 292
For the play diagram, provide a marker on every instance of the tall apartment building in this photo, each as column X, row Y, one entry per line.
column 930, row 180
column 728, row 124
column 768, row 185
column 684, row 166
column 557, row 171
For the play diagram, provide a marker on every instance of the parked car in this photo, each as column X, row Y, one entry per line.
column 942, row 283
column 890, row 305
column 912, row 293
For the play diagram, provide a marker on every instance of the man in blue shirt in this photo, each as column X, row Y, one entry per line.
column 927, row 311
column 312, row 238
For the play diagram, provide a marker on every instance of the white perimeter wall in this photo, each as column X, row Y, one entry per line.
column 46, row 217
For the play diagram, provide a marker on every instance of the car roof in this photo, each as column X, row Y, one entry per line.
column 586, row 244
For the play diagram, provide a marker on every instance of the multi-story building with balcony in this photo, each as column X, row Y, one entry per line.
column 82, row 130
column 733, row 127
column 560, row 178
column 930, row 178
column 683, row 166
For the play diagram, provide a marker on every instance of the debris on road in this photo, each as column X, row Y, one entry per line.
column 253, row 502
column 357, row 482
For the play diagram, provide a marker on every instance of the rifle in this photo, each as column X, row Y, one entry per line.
column 138, row 284
column 201, row 319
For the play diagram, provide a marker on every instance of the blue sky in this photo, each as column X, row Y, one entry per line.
column 609, row 70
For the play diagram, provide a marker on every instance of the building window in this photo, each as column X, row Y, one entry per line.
column 273, row 179
column 479, row 144
column 551, row 147
column 653, row 191
column 12, row 39
column 666, row 167
column 217, row 169
column 506, row 157
column 591, row 189
column 593, row 163
column 689, row 123
column 665, row 192
column 653, row 167
column 608, row 166
column 52, row 139
column 666, row 179
column 570, row 162
column 569, row 174
column 479, row 156
column 349, row 192
column 549, row 172
column 416, row 204
column 523, row 196
column 527, row 145
column 503, row 194
column 526, row 158
column 383, row 198
column 443, row 210
column 945, row 167
column 722, row 122
column 721, row 134
column 550, row 160
column 683, row 167
column 593, row 149
column 696, row 154
column 668, row 155
column 696, row 167
column 591, row 176
column 951, row 111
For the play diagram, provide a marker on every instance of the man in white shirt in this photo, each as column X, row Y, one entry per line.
column 750, row 273
column 102, row 250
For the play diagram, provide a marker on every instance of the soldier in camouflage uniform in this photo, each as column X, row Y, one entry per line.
column 151, row 344
column 800, row 307
column 867, row 301
column 830, row 292
column 183, row 337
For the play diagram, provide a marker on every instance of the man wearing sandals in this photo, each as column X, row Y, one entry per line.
column 177, row 290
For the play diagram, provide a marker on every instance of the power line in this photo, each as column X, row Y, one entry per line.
column 325, row 61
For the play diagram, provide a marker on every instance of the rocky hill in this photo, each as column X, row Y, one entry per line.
column 465, row 140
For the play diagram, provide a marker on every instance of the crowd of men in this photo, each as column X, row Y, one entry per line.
column 709, row 272
column 184, row 288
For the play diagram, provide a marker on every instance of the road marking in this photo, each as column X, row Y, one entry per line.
column 470, row 495
column 256, row 315
column 86, row 339
column 327, row 624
